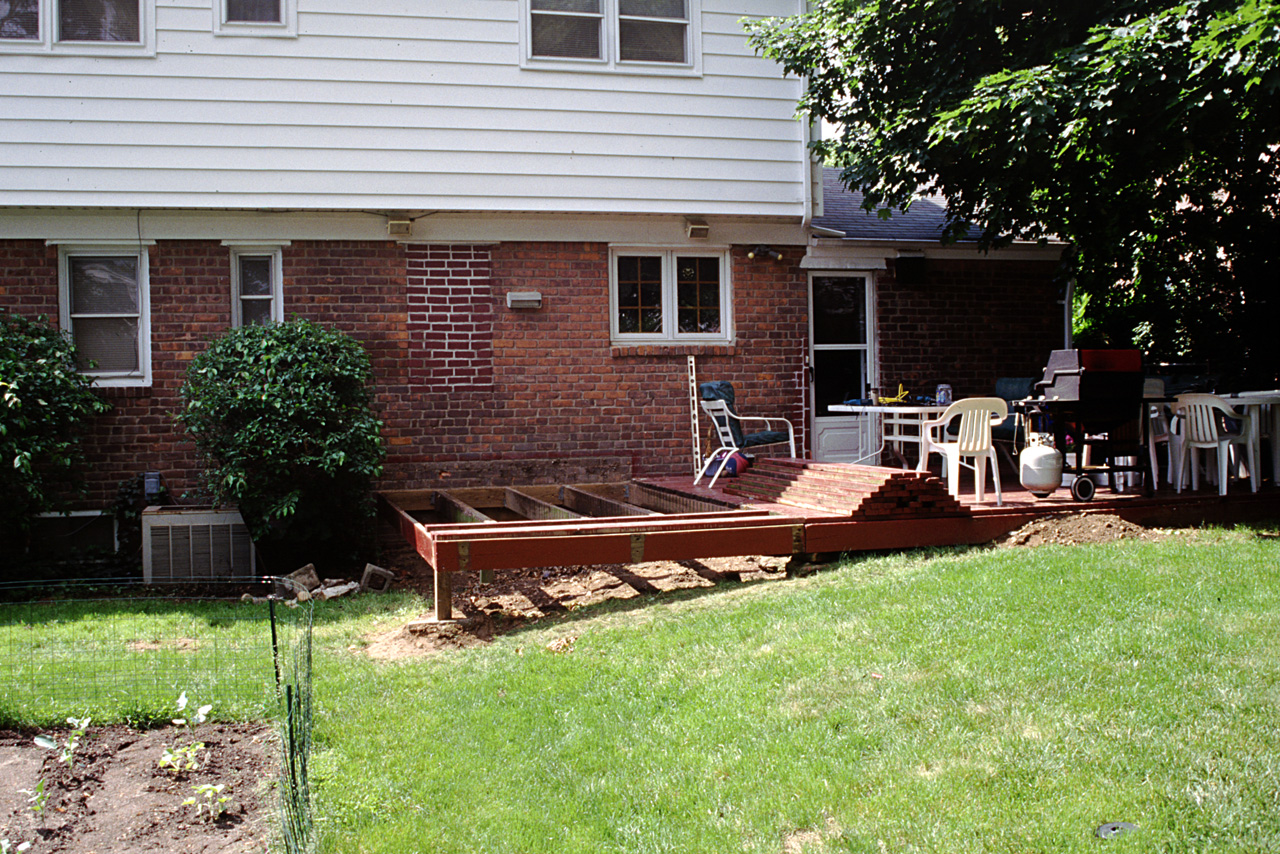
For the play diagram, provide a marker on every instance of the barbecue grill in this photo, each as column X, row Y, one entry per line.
column 1094, row 399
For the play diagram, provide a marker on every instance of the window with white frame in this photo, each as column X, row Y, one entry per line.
column 257, row 286
column 634, row 34
column 670, row 295
column 104, row 304
column 84, row 26
column 255, row 17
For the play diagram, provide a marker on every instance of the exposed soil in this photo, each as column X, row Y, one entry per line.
column 114, row 797
column 1074, row 529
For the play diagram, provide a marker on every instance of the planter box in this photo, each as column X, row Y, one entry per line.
column 195, row 544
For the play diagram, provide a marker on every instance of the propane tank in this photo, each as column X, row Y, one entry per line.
column 1040, row 465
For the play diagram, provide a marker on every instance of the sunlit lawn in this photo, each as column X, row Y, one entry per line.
column 1008, row 701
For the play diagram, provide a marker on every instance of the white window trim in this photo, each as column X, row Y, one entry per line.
column 274, row 250
column 105, row 379
column 669, row 335
column 609, row 42
column 285, row 29
column 47, row 43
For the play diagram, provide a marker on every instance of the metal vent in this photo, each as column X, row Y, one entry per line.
column 195, row 544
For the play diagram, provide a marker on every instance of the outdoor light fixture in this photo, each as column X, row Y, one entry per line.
column 399, row 227
column 768, row 251
column 696, row 229
column 524, row 299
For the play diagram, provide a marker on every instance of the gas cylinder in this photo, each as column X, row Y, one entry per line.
column 1040, row 465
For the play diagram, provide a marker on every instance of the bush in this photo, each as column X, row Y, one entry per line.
column 281, row 414
column 44, row 403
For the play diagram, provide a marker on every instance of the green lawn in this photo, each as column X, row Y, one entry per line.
column 1004, row 701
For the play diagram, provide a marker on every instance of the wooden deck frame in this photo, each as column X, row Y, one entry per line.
column 668, row 520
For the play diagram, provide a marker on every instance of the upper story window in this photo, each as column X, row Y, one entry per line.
column 633, row 35
column 104, row 304
column 257, row 285
column 78, row 26
column 669, row 295
column 255, row 17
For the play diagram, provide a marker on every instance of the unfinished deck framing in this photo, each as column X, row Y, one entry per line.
column 783, row 507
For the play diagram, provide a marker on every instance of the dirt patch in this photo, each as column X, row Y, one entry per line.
column 517, row 597
column 1075, row 529
column 116, row 798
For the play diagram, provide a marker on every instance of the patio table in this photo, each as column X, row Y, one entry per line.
column 900, row 425
column 1260, row 406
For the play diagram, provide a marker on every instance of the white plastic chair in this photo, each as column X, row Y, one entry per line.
column 1199, row 414
column 732, row 437
column 977, row 416
column 1159, row 430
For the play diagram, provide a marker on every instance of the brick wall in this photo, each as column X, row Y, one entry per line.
column 471, row 392
column 967, row 323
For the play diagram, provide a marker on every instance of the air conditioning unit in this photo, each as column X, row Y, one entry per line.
column 195, row 544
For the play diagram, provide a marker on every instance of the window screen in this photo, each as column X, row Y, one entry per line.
column 99, row 21
column 103, row 292
column 255, row 289
column 254, row 11
column 19, row 19
column 653, row 30
column 566, row 28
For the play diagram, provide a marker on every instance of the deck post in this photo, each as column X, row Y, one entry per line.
column 443, row 595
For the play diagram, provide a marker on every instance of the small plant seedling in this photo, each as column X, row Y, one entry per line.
column 182, row 759
column 39, row 798
column 208, row 797
column 68, row 756
column 186, row 757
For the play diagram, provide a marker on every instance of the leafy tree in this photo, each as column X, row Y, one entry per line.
column 44, row 403
column 1144, row 132
column 281, row 414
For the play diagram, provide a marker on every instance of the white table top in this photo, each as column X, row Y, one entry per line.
column 903, row 408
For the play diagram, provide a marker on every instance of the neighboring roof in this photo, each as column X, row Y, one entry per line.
column 843, row 212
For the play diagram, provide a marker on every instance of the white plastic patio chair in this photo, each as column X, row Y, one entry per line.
column 977, row 416
column 1199, row 415
column 718, row 402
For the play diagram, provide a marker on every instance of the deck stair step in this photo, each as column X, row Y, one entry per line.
column 859, row 492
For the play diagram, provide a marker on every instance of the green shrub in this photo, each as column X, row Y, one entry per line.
column 281, row 414
column 44, row 404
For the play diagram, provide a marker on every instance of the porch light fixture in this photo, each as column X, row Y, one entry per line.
column 696, row 229
column 767, row 251
column 399, row 227
column 524, row 299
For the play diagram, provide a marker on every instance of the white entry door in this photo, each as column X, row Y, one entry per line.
column 841, row 333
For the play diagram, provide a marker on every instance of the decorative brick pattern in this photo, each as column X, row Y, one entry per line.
column 450, row 301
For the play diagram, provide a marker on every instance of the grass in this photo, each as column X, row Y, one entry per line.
column 998, row 701
column 944, row 701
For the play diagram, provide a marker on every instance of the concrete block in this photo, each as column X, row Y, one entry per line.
column 376, row 579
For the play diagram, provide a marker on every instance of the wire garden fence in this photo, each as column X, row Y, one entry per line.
column 124, row 652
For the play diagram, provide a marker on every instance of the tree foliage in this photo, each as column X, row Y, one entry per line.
column 282, row 415
column 44, row 404
column 1144, row 132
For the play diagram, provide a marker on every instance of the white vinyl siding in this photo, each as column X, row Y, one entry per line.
column 411, row 106
column 104, row 305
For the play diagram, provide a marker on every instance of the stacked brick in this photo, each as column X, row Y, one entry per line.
column 860, row 492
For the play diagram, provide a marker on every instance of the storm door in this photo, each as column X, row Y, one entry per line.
column 842, row 332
